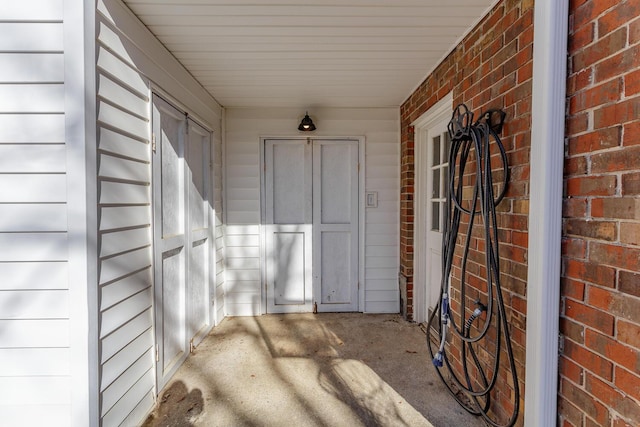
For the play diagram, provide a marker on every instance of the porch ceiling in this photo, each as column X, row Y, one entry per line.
column 295, row 53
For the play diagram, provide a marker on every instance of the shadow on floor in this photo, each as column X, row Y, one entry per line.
column 342, row 369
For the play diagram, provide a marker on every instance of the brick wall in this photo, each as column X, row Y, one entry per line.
column 600, row 318
column 490, row 68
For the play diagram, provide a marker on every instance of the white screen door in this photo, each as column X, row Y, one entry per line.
column 311, row 225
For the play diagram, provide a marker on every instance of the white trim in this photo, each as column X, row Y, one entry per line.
column 80, row 135
column 545, row 215
column 362, row 224
column 438, row 112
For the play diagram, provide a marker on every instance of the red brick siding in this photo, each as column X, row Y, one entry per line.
column 600, row 317
column 490, row 68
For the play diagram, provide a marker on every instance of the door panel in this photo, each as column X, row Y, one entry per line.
column 336, row 268
column 170, row 239
column 288, row 226
column 182, row 235
column 335, row 225
column 290, row 267
column 198, row 155
column 311, row 225
column 173, row 331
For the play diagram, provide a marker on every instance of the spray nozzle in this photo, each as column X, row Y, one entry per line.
column 437, row 361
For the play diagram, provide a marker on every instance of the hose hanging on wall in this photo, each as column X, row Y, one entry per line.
column 480, row 210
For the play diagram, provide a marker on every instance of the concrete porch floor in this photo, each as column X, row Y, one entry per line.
column 343, row 369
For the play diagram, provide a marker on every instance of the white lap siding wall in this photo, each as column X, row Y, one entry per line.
column 35, row 342
column 244, row 128
column 130, row 64
column 76, row 296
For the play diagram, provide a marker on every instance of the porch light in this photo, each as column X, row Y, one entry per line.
column 306, row 125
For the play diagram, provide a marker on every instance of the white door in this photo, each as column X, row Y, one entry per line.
column 335, row 225
column 170, row 258
column 438, row 143
column 199, row 238
column 288, row 179
column 311, row 225
column 182, row 235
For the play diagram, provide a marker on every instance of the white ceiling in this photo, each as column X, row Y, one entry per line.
column 293, row 53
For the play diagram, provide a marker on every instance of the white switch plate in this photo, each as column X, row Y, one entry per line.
column 372, row 199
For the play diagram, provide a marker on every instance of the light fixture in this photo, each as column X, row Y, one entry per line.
column 306, row 125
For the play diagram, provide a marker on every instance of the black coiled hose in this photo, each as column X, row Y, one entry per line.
column 477, row 138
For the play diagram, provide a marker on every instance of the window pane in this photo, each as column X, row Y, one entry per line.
column 445, row 181
column 435, row 216
column 436, row 150
column 435, row 189
column 447, row 147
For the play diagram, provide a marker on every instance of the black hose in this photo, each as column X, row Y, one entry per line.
column 477, row 138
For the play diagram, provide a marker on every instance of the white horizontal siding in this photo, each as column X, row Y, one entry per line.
column 124, row 179
column 33, row 10
column 29, row 275
column 30, row 333
column 245, row 126
column 32, row 67
column 34, row 217
column 242, row 269
column 32, row 158
column 124, row 216
column 35, row 415
column 31, row 98
column 32, row 36
column 128, row 60
column 35, row 374
column 34, row 304
column 19, row 128
column 33, row 188
column 34, row 362
column 35, row 390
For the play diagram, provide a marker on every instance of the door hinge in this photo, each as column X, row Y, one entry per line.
column 157, row 353
column 153, row 142
column 191, row 346
column 315, row 308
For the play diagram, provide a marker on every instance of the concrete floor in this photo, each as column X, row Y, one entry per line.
column 310, row 370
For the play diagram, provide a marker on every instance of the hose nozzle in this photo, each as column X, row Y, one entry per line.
column 437, row 361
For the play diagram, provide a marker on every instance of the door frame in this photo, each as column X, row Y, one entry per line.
column 361, row 213
column 439, row 112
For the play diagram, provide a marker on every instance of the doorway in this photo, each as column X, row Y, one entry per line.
column 431, row 174
column 182, row 235
column 312, row 243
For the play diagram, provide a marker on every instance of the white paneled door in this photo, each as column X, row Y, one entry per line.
column 311, row 225
column 335, row 225
column 181, row 235
column 438, row 143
